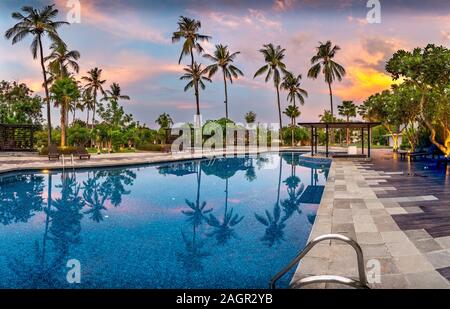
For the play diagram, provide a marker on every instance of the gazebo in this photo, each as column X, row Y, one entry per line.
column 313, row 126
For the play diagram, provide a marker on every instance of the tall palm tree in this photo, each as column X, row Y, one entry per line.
column 195, row 74
column 64, row 92
column 223, row 59
column 164, row 121
column 188, row 29
column 292, row 112
column 62, row 61
column 94, row 83
column 291, row 84
column 347, row 109
column 273, row 56
column 88, row 102
column 323, row 62
column 38, row 23
column 115, row 93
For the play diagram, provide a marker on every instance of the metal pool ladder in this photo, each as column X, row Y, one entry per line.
column 359, row 284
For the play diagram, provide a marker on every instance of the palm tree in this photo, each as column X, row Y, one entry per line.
column 115, row 94
column 347, row 109
column 292, row 112
column 164, row 121
column 292, row 85
column 64, row 92
column 223, row 59
column 61, row 61
column 94, row 83
column 250, row 117
column 188, row 29
column 196, row 75
column 323, row 62
column 273, row 56
column 88, row 102
column 38, row 23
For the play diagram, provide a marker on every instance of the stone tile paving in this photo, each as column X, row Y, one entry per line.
column 352, row 205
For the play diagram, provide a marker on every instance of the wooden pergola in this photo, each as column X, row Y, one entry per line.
column 17, row 137
column 313, row 126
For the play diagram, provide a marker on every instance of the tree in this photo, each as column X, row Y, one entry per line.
column 87, row 102
column 196, row 75
column 94, row 83
column 64, row 91
column 347, row 109
column 250, row 117
column 188, row 30
column 327, row 117
column 164, row 121
column 273, row 56
column 62, row 61
column 38, row 23
column 323, row 62
column 223, row 59
column 18, row 105
column 292, row 112
column 427, row 71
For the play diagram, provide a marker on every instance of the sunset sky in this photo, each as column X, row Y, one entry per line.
column 131, row 42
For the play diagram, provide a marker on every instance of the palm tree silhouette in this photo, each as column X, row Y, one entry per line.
column 292, row 112
column 273, row 56
column 61, row 61
column 195, row 74
column 224, row 60
column 38, row 23
column 223, row 230
column 347, row 109
column 94, row 199
column 94, row 83
column 188, row 29
column 323, row 62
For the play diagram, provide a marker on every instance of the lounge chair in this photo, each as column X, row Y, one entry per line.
column 82, row 153
column 53, row 153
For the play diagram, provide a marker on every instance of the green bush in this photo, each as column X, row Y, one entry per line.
column 151, row 147
column 300, row 135
column 65, row 151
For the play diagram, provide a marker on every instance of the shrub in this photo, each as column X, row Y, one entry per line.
column 151, row 147
column 68, row 150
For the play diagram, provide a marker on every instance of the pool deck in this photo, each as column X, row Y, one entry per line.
column 398, row 213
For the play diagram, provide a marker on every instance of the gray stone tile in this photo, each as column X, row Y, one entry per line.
column 427, row 280
column 418, row 235
column 413, row 264
column 427, row 245
column 395, row 281
column 369, row 238
column 394, row 236
column 402, row 249
column 375, row 251
column 439, row 259
column 444, row 241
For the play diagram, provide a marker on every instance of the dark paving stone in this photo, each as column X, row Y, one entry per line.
column 445, row 272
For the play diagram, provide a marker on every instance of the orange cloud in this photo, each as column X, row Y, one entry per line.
column 363, row 82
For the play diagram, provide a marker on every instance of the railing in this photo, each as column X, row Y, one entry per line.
column 360, row 284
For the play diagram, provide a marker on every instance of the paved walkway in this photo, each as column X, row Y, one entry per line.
column 360, row 201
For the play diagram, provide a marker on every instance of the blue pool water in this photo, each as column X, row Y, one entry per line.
column 223, row 223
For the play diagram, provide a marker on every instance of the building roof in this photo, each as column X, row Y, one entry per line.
column 339, row 125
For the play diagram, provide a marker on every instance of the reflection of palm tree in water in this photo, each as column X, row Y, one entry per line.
column 94, row 199
column 223, row 230
column 63, row 216
column 192, row 257
column 294, row 189
column 274, row 223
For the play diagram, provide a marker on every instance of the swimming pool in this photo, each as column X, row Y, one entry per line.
column 223, row 223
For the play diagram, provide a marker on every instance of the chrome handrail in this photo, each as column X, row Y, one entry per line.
column 362, row 283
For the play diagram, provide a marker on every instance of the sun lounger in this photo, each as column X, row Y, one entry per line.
column 53, row 153
column 82, row 153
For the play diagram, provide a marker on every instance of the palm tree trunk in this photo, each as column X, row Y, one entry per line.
column 47, row 98
column 226, row 199
column 87, row 118
column 348, row 132
column 192, row 59
column 226, row 94
column 197, row 101
column 279, row 113
column 331, row 99
column 63, row 124
column 47, row 216
column 279, row 180
column 293, row 126
column 93, row 109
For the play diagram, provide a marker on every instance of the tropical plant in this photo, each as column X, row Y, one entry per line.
column 291, row 84
column 87, row 100
column 188, row 30
column 38, row 23
column 64, row 91
column 250, row 117
column 164, row 121
column 347, row 110
column 273, row 56
column 224, row 60
column 426, row 70
column 61, row 61
column 323, row 62
column 18, row 104
column 94, row 84
column 292, row 112
column 274, row 226
column 196, row 75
